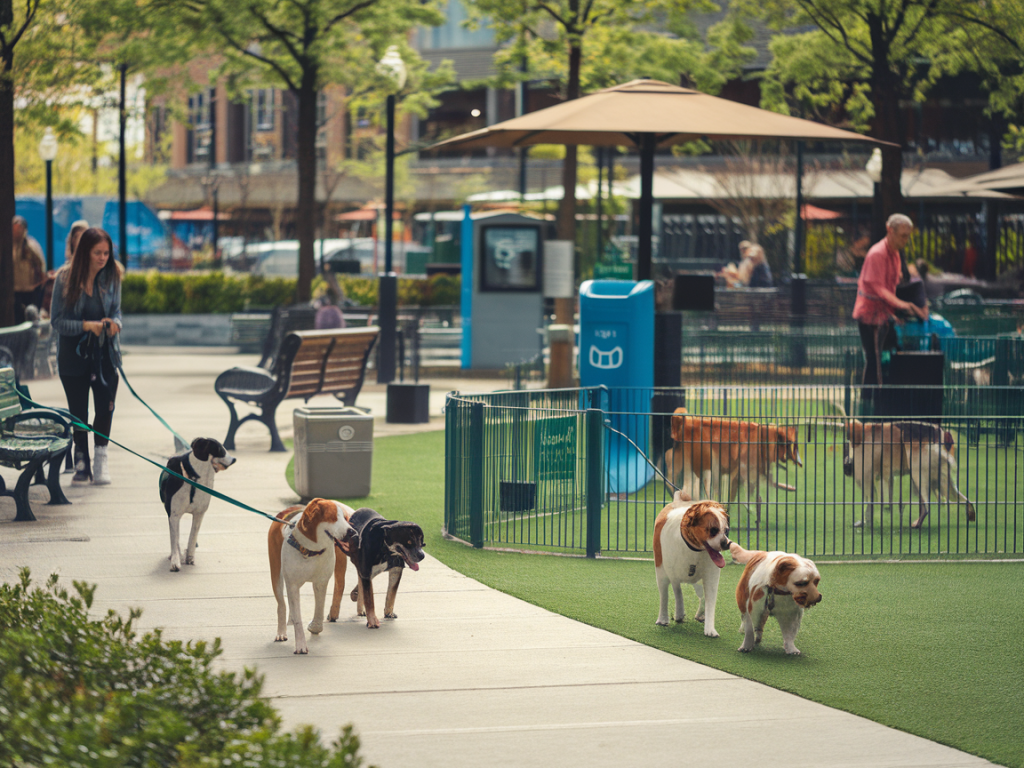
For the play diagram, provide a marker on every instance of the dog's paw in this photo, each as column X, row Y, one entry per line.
column 175, row 567
column 699, row 617
column 794, row 652
column 300, row 651
column 315, row 628
column 372, row 622
column 355, row 595
column 190, row 560
column 390, row 615
column 710, row 632
column 744, row 649
column 280, row 638
column 662, row 622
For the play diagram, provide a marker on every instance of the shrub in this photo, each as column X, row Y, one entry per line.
column 85, row 693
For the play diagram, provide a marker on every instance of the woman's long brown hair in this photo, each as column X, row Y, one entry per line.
column 78, row 271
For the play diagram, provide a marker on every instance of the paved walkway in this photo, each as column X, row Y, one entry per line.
column 466, row 677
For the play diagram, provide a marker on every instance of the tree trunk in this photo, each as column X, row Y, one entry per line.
column 885, row 95
column 305, row 216
column 6, row 189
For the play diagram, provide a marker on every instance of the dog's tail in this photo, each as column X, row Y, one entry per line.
column 741, row 555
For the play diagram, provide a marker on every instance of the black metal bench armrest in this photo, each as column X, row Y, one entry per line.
column 47, row 423
column 246, row 383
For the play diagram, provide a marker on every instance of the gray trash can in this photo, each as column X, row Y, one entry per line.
column 333, row 452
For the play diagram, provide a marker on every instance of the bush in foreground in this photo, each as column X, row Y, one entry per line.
column 82, row 693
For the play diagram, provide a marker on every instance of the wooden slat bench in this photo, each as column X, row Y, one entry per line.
column 309, row 363
column 29, row 439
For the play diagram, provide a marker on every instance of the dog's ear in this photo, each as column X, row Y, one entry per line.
column 678, row 421
column 947, row 439
column 201, row 448
column 780, row 574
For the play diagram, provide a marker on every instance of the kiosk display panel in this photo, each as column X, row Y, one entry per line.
column 510, row 258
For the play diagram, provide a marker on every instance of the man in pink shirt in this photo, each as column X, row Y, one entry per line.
column 876, row 294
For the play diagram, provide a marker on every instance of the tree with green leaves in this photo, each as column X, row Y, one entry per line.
column 303, row 46
column 583, row 45
column 39, row 60
column 864, row 57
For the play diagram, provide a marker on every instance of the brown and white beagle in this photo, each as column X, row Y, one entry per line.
column 689, row 538
column 776, row 584
column 302, row 547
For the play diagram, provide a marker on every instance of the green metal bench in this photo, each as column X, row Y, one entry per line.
column 28, row 440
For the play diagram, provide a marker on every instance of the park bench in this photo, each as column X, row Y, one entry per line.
column 308, row 363
column 28, row 440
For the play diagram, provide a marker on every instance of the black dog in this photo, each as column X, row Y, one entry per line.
column 382, row 545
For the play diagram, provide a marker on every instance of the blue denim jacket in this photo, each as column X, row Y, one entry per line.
column 67, row 320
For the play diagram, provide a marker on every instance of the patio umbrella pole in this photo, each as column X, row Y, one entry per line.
column 645, row 229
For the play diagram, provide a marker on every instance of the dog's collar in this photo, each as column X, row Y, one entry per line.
column 190, row 471
column 772, row 592
column 693, row 548
column 302, row 550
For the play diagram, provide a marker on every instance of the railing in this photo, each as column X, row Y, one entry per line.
column 560, row 471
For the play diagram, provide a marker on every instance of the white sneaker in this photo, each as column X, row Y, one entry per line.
column 100, row 470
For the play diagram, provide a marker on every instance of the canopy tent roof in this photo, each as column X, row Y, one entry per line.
column 617, row 116
column 1009, row 179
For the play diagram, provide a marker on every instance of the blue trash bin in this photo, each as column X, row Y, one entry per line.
column 617, row 351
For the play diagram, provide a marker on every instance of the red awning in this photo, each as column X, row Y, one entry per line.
column 814, row 213
column 199, row 214
column 364, row 214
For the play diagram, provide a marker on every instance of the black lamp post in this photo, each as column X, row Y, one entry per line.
column 48, row 152
column 392, row 67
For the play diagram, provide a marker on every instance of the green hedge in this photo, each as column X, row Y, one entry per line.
column 161, row 293
column 82, row 693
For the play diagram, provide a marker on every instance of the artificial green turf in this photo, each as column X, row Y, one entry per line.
column 934, row 649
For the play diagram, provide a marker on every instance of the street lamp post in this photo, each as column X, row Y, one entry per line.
column 873, row 167
column 48, row 152
column 392, row 67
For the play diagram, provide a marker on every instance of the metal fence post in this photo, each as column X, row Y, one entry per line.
column 595, row 470
column 476, row 475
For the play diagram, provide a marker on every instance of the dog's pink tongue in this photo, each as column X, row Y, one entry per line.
column 716, row 556
column 414, row 566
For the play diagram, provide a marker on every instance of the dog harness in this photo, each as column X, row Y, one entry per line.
column 303, row 550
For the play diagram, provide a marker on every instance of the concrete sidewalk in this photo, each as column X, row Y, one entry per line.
column 465, row 677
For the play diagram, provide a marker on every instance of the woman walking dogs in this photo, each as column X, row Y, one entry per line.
column 86, row 314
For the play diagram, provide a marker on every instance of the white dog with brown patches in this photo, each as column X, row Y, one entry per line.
column 689, row 538
column 302, row 549
column 775, row 584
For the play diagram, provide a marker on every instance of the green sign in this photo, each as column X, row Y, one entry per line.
column 555, row 448
column 613, row 271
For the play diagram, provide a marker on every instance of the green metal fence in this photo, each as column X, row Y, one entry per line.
column 537, row 470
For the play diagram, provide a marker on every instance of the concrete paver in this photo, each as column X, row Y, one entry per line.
column 467, row 676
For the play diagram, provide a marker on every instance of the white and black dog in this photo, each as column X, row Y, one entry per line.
column 206, row 457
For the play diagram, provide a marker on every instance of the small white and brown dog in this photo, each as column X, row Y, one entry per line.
column 776, row 584
column 689, row 538
column 302, row 549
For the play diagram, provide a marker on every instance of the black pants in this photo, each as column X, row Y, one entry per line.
column 77, row 389
column 872, row 338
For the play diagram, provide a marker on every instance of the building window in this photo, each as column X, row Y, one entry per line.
column 263, row 103
column 321, row 124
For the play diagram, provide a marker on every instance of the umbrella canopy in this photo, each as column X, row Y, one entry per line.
column 1008, row 179
column 647, row 114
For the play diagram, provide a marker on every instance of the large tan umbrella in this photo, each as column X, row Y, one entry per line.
column 647, row 114
column 1009, row 179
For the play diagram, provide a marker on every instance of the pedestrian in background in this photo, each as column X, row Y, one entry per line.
column 29, row 269
column 86, row 315
column 877, row 302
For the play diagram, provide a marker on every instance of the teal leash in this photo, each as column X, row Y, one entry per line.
column 180, row 443
column 216, row 494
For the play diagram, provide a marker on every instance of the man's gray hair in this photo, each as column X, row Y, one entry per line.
column 898, row 220
column 20, row 220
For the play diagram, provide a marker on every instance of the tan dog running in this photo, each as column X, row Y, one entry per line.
column 302, row 549
column 775, row 584
column 689, row 538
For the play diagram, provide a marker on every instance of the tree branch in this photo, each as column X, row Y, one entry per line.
column 350, row 12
